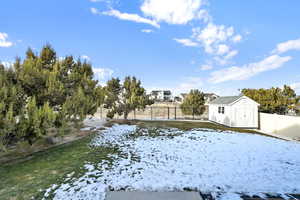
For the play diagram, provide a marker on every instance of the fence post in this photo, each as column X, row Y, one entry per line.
column 101, row 112
column 258, row 121
column 193, row 113
column 151, row 113
column 168, row 113
column 134, row 115
column 175, row 113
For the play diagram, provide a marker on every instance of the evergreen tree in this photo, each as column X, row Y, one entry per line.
column 112, row 92
column 11, row 102
column 133, row 96
column 42, row 92
column 30, row 54
column 35, row 121
column 193, row 103
column 288, row 92
column 273, row 100
column 123, row 99
column 48, row 57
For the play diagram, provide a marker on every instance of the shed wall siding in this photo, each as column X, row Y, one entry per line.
column 220, row 118
column 243, row 113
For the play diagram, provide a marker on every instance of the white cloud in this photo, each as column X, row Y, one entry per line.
column 3, row 40
column 212, row 35
column 249, row 70
column 7, row 64
column 287, row 46
column 222, row 49
column 172, row 11
column 94, row 11
column 237, row 38
column 231, row 54
column 225, row 59
column 85, row 57
column 219, row 60
column 128, row 17
column 206, row 67
column 188, row 84
column 102, row 74
column 204, row 15
column 186, row 42
column 217, row 40
column 147, row 31
column 296, row 87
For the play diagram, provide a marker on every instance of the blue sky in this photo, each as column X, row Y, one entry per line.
column 214, row 46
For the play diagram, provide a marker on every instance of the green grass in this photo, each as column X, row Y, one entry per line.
column 26, row 179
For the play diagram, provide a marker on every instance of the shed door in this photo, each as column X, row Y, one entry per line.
column 243, row 115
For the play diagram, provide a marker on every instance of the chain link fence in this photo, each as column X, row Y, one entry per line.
column 160, row 113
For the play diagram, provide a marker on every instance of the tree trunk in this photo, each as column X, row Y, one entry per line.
column 125, row 115
column 30, row 142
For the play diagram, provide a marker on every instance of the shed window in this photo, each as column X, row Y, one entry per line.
column 221, row 110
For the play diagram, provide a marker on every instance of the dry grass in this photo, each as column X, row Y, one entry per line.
column 183, row 125
column 22, row 150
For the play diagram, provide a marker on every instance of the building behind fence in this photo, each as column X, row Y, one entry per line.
column 171, row 112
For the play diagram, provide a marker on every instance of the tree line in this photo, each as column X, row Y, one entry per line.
column 272, row 100
column 43, row 92
column 275, row 99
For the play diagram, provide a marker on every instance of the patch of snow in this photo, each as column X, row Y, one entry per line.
column 86, row 128
column 229, row 196
column 53, row 187
column 70, row 174
column 94, row 122
column 204, row 160
column 113, row 136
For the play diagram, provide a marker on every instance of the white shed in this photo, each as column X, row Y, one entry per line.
column 234, row 111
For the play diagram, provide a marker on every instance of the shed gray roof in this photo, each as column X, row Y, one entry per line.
column 225, row 100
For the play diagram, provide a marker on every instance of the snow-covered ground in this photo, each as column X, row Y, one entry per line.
column 93, row 123
column 226, row 163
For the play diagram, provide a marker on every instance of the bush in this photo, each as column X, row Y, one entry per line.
column 43, row 92
column 193, row 103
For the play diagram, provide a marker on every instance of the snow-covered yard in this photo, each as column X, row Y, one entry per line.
column 225, row 164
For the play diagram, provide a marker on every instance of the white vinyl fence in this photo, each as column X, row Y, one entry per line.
column 280, row 124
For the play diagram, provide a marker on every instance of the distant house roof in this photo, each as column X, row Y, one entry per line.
column 210, row 94
column 229, row 100
column 225, row 100
column 183, row 94
column 155, row 91
column 167, row 92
